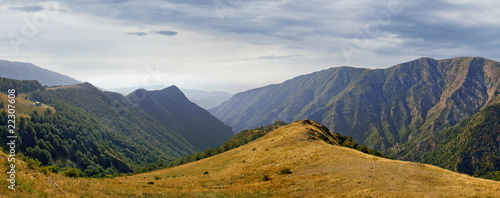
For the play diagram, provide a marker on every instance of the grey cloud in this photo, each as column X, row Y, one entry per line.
column 166, row 33
column 30, row 8
column 422, row 26
column 137, row 33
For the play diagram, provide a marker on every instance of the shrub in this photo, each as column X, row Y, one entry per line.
column 205, row 173
column 33, row 163
column 54, row 169
column 151, row 183
column 46, row 169
column 157, row 178
column 285, row 171
column 72, row 172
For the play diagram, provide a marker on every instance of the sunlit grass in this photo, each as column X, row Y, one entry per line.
column 295, row 166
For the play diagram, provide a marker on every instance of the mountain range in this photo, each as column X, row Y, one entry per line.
column 442, row 112
column 28, row 71
column 104, row 132
column 382, row 108
column 402, row 111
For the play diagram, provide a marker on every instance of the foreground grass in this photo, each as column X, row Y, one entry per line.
column 314, row 169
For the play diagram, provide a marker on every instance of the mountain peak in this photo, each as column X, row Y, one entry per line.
column 171, row 107
column 173, row 93
column 172, row 89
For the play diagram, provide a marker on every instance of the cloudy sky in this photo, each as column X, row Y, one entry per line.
column 234, row 45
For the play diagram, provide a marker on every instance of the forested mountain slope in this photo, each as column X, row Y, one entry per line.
column 381, row 108
column 472, row 146
column 171, row 108
column 97, row 132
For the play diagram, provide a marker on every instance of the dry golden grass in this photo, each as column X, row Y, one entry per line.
column 74, row 86
column 318, row 170
column 23, row 105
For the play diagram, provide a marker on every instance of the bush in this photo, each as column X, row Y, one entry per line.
column 47, row 169
column 72, row 172
column 54, row 169
column 157, row 178
column 285, row 171
column 151, row 183
column 33, row 163
column 44, row 170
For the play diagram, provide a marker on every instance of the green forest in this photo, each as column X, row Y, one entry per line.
column 90, row 131
column 457, row 148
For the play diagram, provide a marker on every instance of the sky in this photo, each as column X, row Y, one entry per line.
column 235, row 45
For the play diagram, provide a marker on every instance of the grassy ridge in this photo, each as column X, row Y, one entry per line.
column 247, row 136
column 294, row 163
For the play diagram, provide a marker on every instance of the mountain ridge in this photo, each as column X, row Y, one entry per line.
column 102, row 132
column 382, row 108
column 28, row 71
column 171, row 107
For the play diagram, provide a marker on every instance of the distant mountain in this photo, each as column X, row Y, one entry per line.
column 171, row 108
column 127, row 90
column 472, row 146
column 389, row 109
column 205, row 99
column 28, row 71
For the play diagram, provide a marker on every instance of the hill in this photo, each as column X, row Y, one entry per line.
column 98, row 132
column 471, row 147
column 288, row 162
column 389, row 109
column 171, row 108
column 28, row 71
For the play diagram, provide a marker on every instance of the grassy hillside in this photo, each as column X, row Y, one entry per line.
column 288, row 162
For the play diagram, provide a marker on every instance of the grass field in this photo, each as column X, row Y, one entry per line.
column 284, row 163
column 23, row 105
